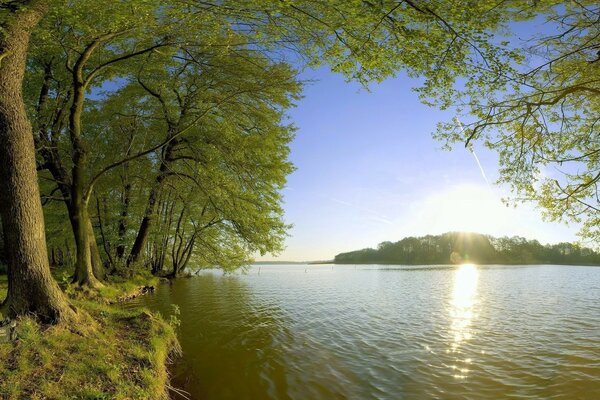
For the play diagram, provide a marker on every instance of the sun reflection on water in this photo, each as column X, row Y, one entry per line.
column 462, row 304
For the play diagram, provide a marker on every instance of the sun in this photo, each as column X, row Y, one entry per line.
column 467, row 208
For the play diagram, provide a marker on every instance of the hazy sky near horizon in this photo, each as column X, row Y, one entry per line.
column 369, row 171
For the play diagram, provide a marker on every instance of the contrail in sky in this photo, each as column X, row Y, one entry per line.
column 375, row 216
column 474, row 155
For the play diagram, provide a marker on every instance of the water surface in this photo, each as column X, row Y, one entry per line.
column 388, row 332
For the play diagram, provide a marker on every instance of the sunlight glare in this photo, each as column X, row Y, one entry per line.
column 461, row 308
column 466, row 208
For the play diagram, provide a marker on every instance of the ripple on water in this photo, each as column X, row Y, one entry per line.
column 368, row 332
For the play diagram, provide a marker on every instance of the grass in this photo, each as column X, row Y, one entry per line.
column 116, row 289
column 3, row 286
column 124, row 357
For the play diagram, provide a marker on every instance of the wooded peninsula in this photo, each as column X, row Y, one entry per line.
column 460, row 247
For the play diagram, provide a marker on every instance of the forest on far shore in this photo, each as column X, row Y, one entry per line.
column 460, row 247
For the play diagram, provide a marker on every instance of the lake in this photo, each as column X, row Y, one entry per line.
column 387, row 332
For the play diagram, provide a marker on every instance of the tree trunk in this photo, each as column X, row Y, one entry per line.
column 190, row 249
column 182, row 260
column 123, row 220
column 105, row 242
column 149, row 214
column 84, row 245
column 96, row 261
column 97, row 264
column 31, row 287
column 52, row 161
column 142, row 236
column 125, row 200
column 85, row 240
column 162, row 243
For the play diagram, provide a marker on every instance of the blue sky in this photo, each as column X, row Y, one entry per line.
column 368, row 171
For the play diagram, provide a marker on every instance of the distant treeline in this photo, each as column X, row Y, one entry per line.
column 458, row 247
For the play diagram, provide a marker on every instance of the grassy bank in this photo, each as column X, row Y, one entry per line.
column 123, row 357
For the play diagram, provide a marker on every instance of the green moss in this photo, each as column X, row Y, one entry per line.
column 119, row 288
column 123, row 357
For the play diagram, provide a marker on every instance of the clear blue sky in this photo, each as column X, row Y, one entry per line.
column 368, row 171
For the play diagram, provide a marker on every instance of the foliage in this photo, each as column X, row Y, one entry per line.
column 183, row 113
column 458, row 247
column 173, row 114
column 537, row 108
column 217, row 189
column 204, row 117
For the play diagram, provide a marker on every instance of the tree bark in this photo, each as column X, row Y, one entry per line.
column 86, row 248
column 97, row 264
column 31, row 287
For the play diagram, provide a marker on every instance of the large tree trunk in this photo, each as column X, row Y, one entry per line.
column 31, row 286
column 95, row 260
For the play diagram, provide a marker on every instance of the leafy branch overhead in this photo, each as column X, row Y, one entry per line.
column 539, row 113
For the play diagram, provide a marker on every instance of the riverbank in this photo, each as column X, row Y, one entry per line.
column 124, row 356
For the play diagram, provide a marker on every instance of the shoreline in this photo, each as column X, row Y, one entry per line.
column 125, row 355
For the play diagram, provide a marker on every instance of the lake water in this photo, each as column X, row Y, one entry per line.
column 387, row 332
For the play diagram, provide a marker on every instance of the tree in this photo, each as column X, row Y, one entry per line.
column 363, row 40
column 537, row 108
column 224, row 172
column 94, row 51
column 31, row 286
